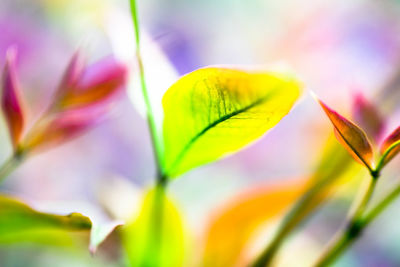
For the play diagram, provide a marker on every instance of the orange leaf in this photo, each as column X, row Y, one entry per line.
column 390, row 141
column 350, row 136
column 235, row 224
column 11, row 100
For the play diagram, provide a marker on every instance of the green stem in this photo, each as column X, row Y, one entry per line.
column 10, row 165
column 381, row 206
column 290, row 221
column 162, row 180
column 353, row 229
column 157, row 146
column 383, row 160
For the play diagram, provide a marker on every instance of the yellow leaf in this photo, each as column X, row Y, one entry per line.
column 20, row 223
column 156, row 236
column 215, row 111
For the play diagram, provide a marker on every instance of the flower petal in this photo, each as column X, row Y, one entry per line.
column 11, row 103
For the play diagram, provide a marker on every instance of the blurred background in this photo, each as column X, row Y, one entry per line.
column 337, row 48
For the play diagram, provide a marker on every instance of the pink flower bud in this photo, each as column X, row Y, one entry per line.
column 85, row 94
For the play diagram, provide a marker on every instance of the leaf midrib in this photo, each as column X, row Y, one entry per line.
column 214, row 124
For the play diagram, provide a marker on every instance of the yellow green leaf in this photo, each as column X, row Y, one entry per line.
column 156, row 236
column 249, row 211
column 19, row 222
column 350, row 136
column 214, row 111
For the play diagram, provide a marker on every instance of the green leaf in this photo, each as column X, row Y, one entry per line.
column 156, row 237
column 19, row 222
column 215, row 111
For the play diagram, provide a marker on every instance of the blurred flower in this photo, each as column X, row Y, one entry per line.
column 368, row 117
column 84, row 95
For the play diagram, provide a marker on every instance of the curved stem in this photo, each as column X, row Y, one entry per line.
column 288, row 223
column 9, row 165
column 382, row 162
column 157, row 146
column 381, row 206
column 353, row 229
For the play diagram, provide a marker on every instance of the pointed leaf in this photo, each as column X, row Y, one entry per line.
column 11, row 100
column 236, row 224
column 215, row 111
column 156, row 236
column 72, row 74
column 368, row 117
column 391, row 142
column 350, row 136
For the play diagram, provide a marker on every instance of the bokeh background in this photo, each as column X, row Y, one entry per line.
column 338, row 48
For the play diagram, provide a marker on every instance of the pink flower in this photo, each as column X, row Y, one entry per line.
column 83, row 97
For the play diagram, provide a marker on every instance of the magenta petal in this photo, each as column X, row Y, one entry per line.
column 11, row 99
column 73, row 73
column 98, row 84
